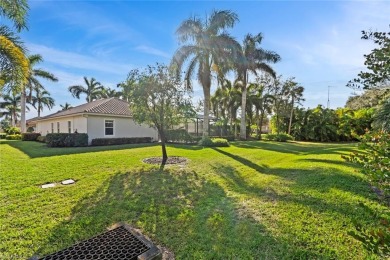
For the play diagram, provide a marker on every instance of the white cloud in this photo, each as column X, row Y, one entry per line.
column 151, row 50
column 78, row 61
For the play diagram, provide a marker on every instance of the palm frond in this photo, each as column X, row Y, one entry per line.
column 221, row 20
column 189, row 29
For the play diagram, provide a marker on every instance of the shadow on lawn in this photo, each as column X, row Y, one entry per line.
column 37, row 150
column 177, row 209
column 298, row 148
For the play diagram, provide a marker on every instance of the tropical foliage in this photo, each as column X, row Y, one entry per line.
column 208, row 48
column 93, row 90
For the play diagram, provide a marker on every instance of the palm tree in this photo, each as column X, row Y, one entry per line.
column 13, row 61
column 66, row 106
column 16, row 11
column 94, row 90
column 41, row 99
column 295, row 92
column 14, row 66
column 11, row 104
column 32, row 85
column 208, row 47
column 108, row 92
column 252, row 59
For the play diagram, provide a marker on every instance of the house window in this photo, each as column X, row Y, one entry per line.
column 108, row 127
column 69, row 127
column 58, row 127
column 52, row 127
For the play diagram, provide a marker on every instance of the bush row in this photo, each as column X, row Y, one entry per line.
column 14, row 137
column 213, row 142
column 30, row 136
column 66, row 140
column 278, row 137
column 124, row 140
column 3, row 135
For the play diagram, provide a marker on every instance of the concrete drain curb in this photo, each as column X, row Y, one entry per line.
column 52, row 185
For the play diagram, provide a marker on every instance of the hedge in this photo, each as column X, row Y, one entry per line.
column 178, row 135
column 41, row 139
column 30, row 136
column 213, row 142
column 14, row 137
column 66, row 140
column 278, row 137
column 122, row 140
column 3, row 135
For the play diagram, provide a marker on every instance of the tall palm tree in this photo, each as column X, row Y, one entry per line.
column 295, row 92
column 41, row 99
column 252, row 59
column 66, row 106
column 208, row 47
column 33, row 84
column 94, row 90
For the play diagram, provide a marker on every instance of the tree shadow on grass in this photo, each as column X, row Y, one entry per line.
column 298, row 148
column 38, row 150
column 303, row 211
column 178, row 209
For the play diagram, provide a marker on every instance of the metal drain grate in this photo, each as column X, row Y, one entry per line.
column 118, row 243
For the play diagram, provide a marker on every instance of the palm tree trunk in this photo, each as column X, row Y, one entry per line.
column 243, row 111
column 23, row 111
column 261, row 122
column 206, row 111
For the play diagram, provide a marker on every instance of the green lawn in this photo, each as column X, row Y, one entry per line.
column 253, row 200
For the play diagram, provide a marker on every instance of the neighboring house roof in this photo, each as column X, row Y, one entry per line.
column 107, row 106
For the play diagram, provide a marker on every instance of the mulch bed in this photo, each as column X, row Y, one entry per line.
column 171, row 160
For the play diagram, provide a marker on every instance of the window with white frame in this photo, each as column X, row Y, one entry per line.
column 52, row 127
column 108, row 127
column 58, row 127
column 69, row 127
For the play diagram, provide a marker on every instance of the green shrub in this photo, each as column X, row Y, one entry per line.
column 3, row 135
column 30, row 129
column 213, row 142
column 278, row 137
column 13, row 131
column 123, row 140
column 30, row 136
column 374, row 159
column 229, row 137
column 14, row 137
column 66, row 140
column 178, row 135
column 41, row 139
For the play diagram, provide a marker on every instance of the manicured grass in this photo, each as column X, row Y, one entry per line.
column 252, row 200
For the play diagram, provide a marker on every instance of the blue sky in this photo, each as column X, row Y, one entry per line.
column 319, row 41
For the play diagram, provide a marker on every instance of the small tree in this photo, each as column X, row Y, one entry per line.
column 159, row 99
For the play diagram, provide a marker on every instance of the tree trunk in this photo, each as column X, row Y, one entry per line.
column 163, row 148
column 23, row 111
column 243, row 110
column 291, row 115
column 206, row 111
column 258, row 132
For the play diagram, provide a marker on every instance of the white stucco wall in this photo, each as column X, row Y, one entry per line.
column 123, row 127
column 77, row 122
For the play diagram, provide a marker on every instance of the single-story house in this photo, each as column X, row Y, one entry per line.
column 103, row 118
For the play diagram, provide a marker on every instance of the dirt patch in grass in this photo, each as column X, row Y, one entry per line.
column 170, row 160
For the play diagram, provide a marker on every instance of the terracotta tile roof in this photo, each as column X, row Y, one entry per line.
column 109, row 106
